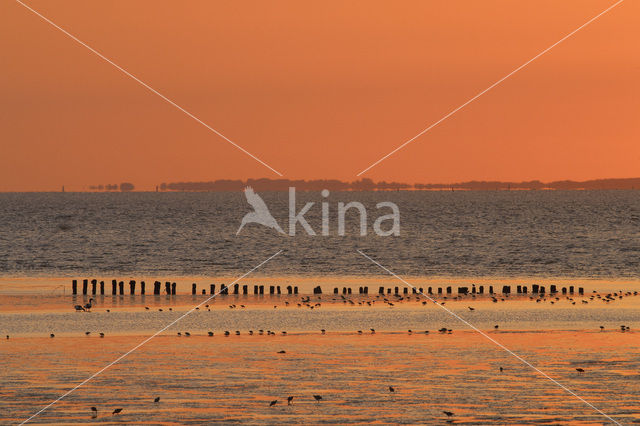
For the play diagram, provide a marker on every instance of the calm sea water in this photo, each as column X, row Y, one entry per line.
column 592, row 234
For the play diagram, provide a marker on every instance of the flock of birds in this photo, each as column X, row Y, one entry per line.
column 390, row 300
column 94, row 410
column 290, row 398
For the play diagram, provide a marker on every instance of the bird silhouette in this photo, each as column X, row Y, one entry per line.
column 157, row 399
column 117, row 411
column 289, row 399
column 317, row 397
column 272, row 403
column 391, row 389
column 260, row 215
column 448, row 413
column 580, row 370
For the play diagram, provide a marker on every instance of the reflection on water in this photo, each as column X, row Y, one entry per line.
column 232, row 379
column 202, row 379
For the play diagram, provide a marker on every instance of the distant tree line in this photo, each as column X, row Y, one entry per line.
column 124, row 187
column 369, row 185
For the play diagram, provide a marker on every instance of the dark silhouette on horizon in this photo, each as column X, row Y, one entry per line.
column 224, row 185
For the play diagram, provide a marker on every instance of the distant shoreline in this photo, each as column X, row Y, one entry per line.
column 264, row 184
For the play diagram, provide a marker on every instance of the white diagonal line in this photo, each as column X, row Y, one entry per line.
column 524, row 361
column 121, row 357
column 491, row 87
column 145, row 85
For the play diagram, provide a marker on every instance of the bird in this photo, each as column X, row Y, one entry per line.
column 272, row 403
column 391, row 389
column 496, row 326
column 87, row 306
column 52, row 335
column 210, row 333
column 580, row 370
column 471, row 309
column 94, row 412
column 448, row 413
column 102, row 335
column 289, row 399
column 501, row 369
column 179, row 334
column 323, row 331
column 226, row 333
column 186, row 333
column 373, row 331
column 260, row 215
column 281, row 352
column 602, row 328
column 79, row 308
column 317, row 397
column 86, row 333
column 117, row 411
column 157, row 399
column 146, row 308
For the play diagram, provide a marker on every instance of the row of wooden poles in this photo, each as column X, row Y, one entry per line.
column 117, row 287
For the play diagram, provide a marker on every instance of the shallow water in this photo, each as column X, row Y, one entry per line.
column 203, row 379
column 230, row 380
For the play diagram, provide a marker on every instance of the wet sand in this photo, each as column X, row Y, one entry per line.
column 233, row 379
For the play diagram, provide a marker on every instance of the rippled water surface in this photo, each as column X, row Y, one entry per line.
column 592, row 234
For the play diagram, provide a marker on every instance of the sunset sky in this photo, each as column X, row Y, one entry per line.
column 317, row 89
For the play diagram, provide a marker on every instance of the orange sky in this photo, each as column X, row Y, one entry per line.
column 318, row 90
